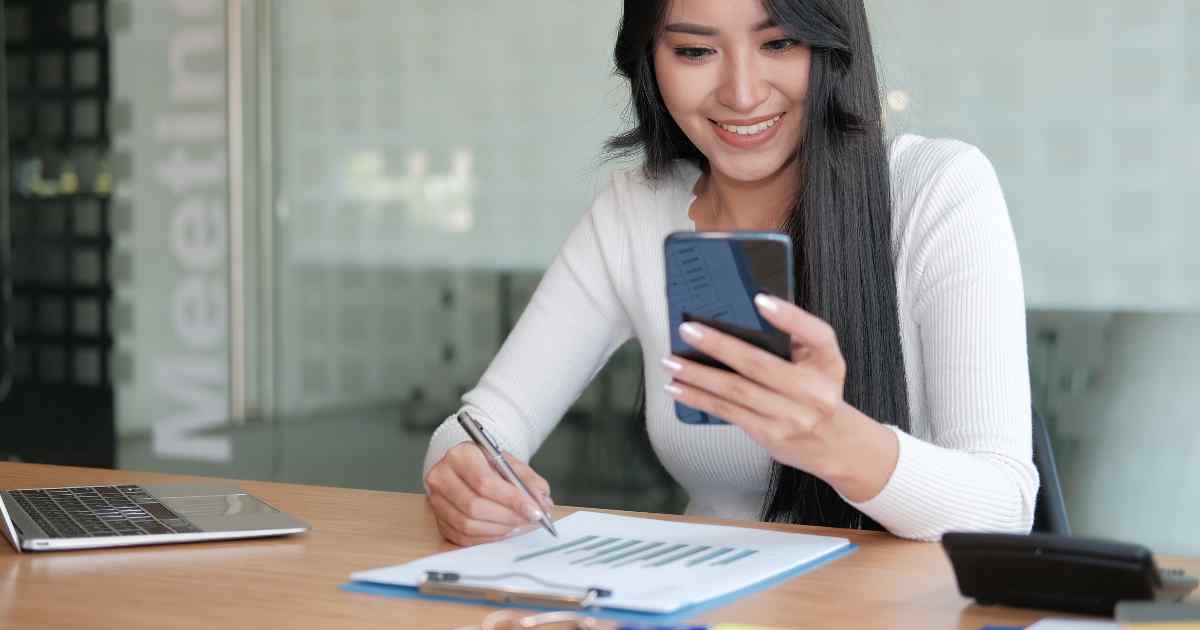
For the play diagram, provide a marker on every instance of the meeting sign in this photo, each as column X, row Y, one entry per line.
column 175, row 348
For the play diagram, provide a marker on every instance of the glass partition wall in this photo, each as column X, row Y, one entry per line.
column 1089, row 112
column 428, row 161
column 328, row 216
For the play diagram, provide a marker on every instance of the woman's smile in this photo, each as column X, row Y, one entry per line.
column 748, row 134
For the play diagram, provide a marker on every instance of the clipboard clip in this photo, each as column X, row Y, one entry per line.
column 449, row 583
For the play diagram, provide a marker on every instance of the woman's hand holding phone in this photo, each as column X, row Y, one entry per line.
column 474, row 504
column 794, row 409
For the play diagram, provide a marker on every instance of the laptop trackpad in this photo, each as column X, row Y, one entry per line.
column 217, row 505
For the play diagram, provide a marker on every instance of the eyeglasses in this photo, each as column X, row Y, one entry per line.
column 559, row 620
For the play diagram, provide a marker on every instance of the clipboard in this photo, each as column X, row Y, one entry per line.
column 591, row 595
column 450, row 584
column 617, row 614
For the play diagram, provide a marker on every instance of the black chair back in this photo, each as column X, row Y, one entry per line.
column 1050, row 511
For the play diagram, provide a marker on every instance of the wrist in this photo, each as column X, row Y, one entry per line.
column 862, row 455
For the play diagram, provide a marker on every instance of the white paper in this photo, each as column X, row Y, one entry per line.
column 649, row 565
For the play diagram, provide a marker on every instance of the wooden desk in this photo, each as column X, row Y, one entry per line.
column 293, row 582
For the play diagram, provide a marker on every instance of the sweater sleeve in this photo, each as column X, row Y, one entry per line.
column 976, row 472
column 571, row 326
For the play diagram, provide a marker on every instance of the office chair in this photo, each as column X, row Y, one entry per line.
column 1050, row 510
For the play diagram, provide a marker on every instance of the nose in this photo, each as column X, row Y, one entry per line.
column 743, row 84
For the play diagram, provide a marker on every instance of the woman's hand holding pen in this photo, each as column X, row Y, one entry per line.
column 474, row 504
column 794, row 409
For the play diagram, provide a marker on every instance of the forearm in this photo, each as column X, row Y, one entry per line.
column 935, row 489
column 921, row 490
column 533, row 379
column 861, row 456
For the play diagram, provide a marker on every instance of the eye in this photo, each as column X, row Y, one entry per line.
column 780, row 45
column 692, row 53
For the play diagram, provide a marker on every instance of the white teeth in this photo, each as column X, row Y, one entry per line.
column 750, row 130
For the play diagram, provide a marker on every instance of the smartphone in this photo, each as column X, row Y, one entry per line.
column 712, row 278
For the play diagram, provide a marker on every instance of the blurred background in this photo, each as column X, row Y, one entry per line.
column 278, row 239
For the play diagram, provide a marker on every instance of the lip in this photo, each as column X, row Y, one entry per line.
column 746, row 122
column 748, row 142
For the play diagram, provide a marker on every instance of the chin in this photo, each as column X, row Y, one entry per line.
column 749, row 168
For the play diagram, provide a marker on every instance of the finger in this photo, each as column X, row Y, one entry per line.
column 748, row 360
column 449, row 533
column 535, row 482
column 459, row 539
column 474, row 504
column 457, row 536
column 807, row 330
column 453, row 535
column 755, row 425
column 731, row 386
column 817, row 390
column 474, row 469
column 463, row 523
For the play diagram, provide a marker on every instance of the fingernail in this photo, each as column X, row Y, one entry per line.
column 671, row 366
column 766, row 303
column 672, row 390
column 532, row 513
column 547, row 500
column 691, row 331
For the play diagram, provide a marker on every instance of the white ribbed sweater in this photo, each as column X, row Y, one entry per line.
column 967, row 464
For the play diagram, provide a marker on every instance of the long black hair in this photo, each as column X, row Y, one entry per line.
column 840, row 221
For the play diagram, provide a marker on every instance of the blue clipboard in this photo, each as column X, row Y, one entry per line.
column 618, row 614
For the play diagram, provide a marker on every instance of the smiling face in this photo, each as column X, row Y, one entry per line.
column 735, row 84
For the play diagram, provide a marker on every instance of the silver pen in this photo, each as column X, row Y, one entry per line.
column 492, row 450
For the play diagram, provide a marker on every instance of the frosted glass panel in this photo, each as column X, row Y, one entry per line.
column 467, row 133
column 428, row 155
column 1090, row 111
column 441, row 133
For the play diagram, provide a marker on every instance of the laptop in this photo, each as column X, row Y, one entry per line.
column 89, row 517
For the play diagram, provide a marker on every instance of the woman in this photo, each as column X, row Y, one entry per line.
column 906, row 404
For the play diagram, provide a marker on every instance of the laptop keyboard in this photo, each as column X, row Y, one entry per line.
column 89, row 511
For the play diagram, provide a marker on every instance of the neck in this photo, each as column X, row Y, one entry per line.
column 761, row 205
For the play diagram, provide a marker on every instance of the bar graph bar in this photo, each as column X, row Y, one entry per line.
column 548, row 550
column 735, row 557
column 606, row 551
column 653, row 554
column 595, row 545
column 616, row 552
column 679, row 556
column 625, row 554
column 709, row 556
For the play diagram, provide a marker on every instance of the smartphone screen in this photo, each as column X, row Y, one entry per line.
column 712, row 278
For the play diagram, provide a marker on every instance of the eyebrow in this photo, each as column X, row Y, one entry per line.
column 708, row 31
